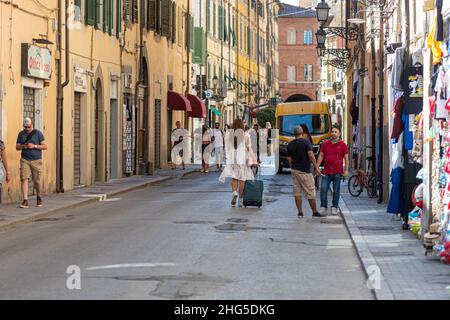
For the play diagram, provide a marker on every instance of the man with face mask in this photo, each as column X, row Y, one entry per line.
column 333, row 153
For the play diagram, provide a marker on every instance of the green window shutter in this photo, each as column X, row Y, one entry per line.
column 90, row 12
column 118, row 20
column 97, row 14
column 111, row 16
column 191, row 32
column 214, row 19
column 208, row 15
column 165, row 28
column 199, row 56
column 135, row 12
column 151, row 14
column 174, row 22
column 220, row 23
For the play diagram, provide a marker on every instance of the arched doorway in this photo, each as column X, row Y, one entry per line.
column 99, row 133
column 298, row 98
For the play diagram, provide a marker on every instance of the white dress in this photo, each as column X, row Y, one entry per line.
column 239, row 159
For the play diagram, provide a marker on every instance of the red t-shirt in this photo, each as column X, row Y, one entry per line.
column 333, row 156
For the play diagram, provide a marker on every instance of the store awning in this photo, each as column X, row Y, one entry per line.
column 217, row 112
column 176, row 101
column 198, row 107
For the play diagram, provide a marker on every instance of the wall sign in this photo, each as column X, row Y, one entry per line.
column 79, row 80
column 36, row 62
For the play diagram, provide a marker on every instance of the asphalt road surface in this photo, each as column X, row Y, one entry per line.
column 181, row 239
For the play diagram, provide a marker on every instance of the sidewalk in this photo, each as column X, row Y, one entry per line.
column 406, row 273
column 11, row 214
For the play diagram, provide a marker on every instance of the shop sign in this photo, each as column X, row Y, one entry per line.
column 36, row 62
column 80, row 80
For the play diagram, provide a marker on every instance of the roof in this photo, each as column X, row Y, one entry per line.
column 296, row 12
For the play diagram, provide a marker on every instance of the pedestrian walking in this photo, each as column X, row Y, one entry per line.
column 177, row 137
column 4, row 172
column 240, row 159
column 333, row 154
column 30, row 142
column 206, row 141
column 269, row 138
column 218, row 138
column 301, row 157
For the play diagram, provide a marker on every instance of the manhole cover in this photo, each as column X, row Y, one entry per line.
column 237, row 220
column 231, row 227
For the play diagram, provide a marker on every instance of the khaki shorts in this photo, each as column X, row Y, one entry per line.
column 304, row 181
column 31, row 168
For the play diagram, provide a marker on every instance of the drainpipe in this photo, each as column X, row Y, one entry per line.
column 373, row 102
column 380, row 108
column 60, row 97
column 136, row 91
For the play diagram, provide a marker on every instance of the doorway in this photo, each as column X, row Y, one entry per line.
column 99, row 133
column 157, row 133
column 77, row 139
column 114, row 139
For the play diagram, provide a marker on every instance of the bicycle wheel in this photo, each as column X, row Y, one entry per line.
column 371, row 187
column 354, row 187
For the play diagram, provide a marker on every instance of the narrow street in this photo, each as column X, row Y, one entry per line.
column 181, row 239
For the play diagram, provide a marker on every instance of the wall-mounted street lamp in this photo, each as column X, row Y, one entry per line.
column 323, row 11
column 321, row 37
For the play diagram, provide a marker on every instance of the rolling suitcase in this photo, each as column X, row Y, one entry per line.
column 253, row 193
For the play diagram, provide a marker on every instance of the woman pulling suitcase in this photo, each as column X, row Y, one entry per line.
column 240, row 159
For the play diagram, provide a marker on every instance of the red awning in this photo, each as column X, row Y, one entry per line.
column 198, row 107
column 176, row 101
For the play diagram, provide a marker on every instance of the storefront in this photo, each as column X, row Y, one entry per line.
column 420, row 135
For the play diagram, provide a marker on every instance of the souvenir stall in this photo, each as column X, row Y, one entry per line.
column 437, row 238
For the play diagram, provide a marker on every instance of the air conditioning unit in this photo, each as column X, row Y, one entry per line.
column 127, row 82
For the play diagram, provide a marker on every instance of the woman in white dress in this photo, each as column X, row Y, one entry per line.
column 240, row 158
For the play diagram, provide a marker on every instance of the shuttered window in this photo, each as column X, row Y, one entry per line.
column 214, row 20
column 151, row 14
column 291, row 73
column 135, row 11
column 180, row 27
column 108, row 13
column 220, row 23
column 291, row 37
column 174, row 22
column 165, row 14
column 208, row 16
column 118, row 19
column 308, row 72
column 127, row 10
column 91, row 14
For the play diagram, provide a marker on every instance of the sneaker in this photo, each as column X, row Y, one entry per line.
column 300, row 214
column 206, row 171
column 322, row 213
column 233, row 200
column 24, row 204
column 203, row 170
column 241, row 203
column 334, row 211
column 39, row 201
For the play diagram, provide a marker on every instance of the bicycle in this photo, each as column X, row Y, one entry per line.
column 360, row 180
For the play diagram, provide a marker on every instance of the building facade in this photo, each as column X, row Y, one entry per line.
column 105, row 91
column 299, row 62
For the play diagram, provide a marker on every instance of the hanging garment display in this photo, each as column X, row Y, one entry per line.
column 397, row 69
column 442, row 93
column 413, row 90
column 434, row 44
column 398, row 126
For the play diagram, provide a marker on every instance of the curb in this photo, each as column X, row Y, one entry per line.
column 364, row 254
column 84, row 202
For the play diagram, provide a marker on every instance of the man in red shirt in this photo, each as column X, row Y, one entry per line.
column 333, row 153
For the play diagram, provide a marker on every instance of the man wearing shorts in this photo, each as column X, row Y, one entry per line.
column 300, row 157
column 31, row 142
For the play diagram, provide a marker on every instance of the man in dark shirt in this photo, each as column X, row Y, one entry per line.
column 300, row 157
column 31, row 142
